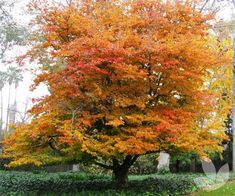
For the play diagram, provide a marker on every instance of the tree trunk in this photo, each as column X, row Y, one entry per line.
column 8, row 106
column 193, row 165
column 140, row 168
column 15, row 103
column 120, row 171
column 121, row 177
column 177, row 165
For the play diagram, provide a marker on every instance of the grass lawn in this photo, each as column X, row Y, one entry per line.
column 226, row 190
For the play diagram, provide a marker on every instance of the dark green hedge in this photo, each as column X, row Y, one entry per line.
column 23, row 183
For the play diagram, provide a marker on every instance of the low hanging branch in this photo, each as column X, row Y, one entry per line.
column 103, row 165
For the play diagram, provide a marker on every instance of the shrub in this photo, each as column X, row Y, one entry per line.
column 69, row 183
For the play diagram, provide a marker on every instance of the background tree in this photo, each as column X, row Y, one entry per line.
column 131, row 80
column 209, row 5
column 11, row 33
column 2, row 84
column 13, row 77
column 215, row 4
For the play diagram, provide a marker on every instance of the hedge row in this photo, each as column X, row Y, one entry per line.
column 23, row 183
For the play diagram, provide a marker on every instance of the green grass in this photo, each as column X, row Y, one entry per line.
column 226, row 190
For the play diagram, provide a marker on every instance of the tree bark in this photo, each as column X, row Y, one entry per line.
column 177, row 166
column 8, row 106
column 120, row 171
column 121, row 177
column 15, row 103
column 193, row 165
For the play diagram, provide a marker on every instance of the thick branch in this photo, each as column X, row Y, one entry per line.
column 129, row 160
column 103, row 165
column 134, row 158
column 115, row 163
column 53, row 146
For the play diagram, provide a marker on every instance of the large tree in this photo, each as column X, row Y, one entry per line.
column 126, row 78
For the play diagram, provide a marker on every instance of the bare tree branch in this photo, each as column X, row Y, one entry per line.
column 214, row 2
column 204, row 5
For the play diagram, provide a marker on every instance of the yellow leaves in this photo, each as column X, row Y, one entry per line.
column 104, row 147
column 84, row 122
column 133, row 146
column 145, row 134
column 134, row 119
column 115, row 122
column 24, row 161
column 97, row 90
column 124, row 101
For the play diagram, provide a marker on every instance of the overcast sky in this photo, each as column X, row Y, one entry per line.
column 23, row 94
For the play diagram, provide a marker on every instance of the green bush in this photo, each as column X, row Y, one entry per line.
column 146, row 164
column 69, row 183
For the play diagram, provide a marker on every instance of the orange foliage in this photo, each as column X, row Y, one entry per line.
column 125, row 77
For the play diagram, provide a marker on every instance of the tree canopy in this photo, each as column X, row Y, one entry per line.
column 126, row 78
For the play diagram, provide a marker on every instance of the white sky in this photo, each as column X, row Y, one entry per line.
column 24, row 96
